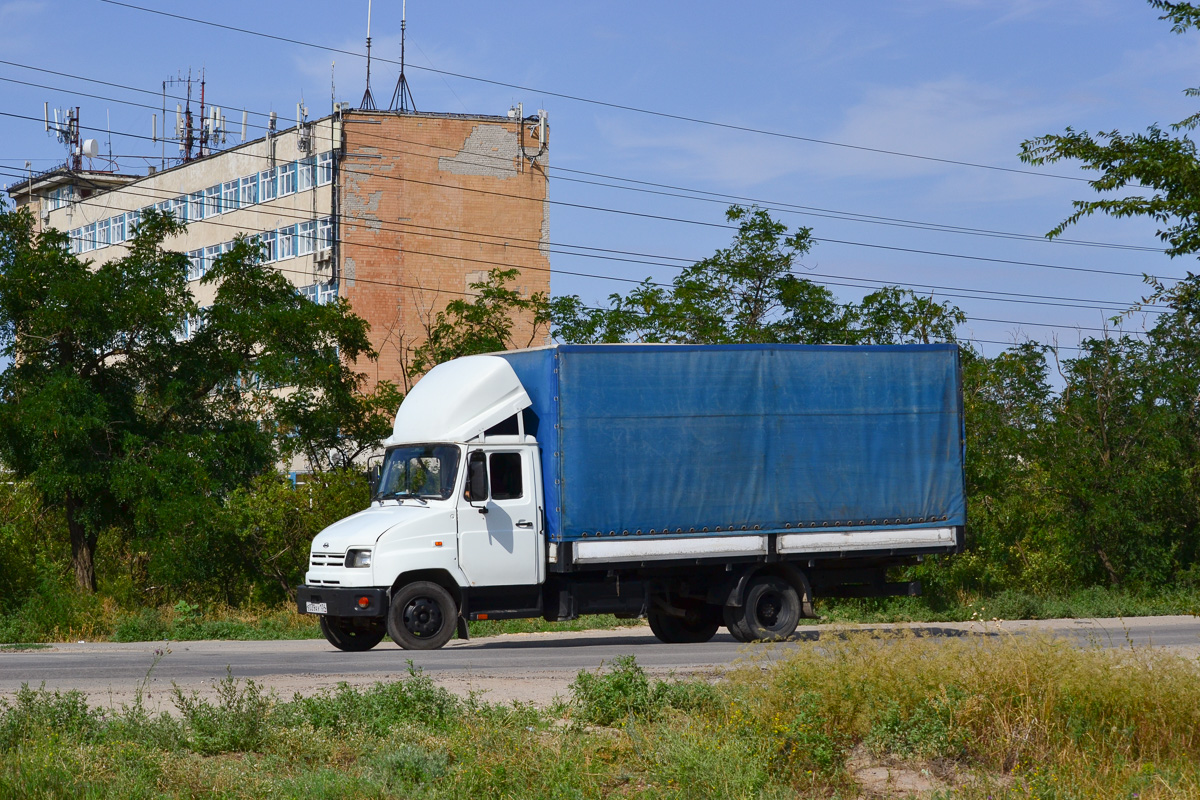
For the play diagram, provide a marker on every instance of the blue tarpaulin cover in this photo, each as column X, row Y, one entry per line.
column 668, row 437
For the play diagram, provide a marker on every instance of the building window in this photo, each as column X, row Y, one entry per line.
column 287, row 242
column 230, row 191
column 196, row 206
column 325, row 168
column 320, row 293
column 76, row 239
column 267, row 185
column 195, row 265
column 103, row 233
column 268, row 241
column 212, row 201
column 305, row 177
column 306, row 238
column 249, row 190
column 118, row 228
column 325, row 233
column 211, row 253
column 287, row 179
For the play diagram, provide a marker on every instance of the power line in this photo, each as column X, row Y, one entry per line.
column 489, row 262
column 701, row 223
column 460, row 236
column 707, row 196
column 606, row 104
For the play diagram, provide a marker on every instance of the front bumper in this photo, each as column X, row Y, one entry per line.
column 342, row 601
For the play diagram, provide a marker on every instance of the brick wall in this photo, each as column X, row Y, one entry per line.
column 429, row 204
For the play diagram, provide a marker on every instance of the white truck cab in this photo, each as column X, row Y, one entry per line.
column 458, row 499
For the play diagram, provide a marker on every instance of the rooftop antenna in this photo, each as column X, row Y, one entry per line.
column 402, row 99
column 368, row 101
column 66, row 130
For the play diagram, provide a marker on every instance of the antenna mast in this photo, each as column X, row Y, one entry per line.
column 402, row 99
column 368, row 101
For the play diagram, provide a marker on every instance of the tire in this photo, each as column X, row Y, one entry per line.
column 422, row 616
column 732, row 617
column 771, row 610
column 694, row 627
column 354, row 635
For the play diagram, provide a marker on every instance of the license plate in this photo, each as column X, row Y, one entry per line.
column 316, row 608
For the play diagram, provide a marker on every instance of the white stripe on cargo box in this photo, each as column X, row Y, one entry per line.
column 843, row 541
column 649, row 549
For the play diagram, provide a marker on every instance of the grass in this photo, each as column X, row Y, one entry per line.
column 990, row 717
column 1012, row 604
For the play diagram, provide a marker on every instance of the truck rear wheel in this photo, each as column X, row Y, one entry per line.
column 353, row 635
column 422, row 616
column 732, row 617
column 695, row 626
column 770, row 610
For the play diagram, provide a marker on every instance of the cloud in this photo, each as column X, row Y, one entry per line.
column 953, row 119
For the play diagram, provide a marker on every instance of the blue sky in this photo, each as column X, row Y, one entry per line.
column 948, row 79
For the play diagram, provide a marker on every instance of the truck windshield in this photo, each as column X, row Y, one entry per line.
column 424, row 471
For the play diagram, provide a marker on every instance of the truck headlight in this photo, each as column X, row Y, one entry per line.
column 358, row 558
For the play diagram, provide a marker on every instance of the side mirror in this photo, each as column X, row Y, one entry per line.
column 477, row 479
column 374, row 473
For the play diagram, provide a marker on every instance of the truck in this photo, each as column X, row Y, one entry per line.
column 696, row 486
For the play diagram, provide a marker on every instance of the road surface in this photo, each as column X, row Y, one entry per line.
column 526, row 667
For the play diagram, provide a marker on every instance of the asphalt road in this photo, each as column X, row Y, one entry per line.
column 531, row 667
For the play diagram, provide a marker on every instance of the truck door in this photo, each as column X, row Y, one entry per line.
column 500, row 548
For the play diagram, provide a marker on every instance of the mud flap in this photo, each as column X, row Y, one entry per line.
column 463, row 633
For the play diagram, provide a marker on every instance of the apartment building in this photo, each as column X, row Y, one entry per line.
column 397, row 213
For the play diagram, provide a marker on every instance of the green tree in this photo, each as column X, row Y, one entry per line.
column 891, row 315
column 747, row 292
column 482, row 324
column 1162, row 163
column 119, row 420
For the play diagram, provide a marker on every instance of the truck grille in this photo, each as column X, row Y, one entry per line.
column 321, row 559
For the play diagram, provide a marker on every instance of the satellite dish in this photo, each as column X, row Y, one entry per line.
column 91, row 148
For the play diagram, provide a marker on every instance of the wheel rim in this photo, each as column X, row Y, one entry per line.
column 423, row 617
column 768, row 607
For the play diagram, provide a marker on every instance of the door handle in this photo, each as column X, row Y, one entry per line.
column 524, row 524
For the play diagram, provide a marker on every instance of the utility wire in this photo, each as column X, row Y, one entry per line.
column 607, row 104
column 488, row 262
column 701, row 223
column 667, row 190
column 460, row 236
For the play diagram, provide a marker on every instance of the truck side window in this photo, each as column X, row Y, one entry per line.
column 506, row 476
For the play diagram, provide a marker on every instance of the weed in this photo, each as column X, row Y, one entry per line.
column 36, row 713
column 239, row 721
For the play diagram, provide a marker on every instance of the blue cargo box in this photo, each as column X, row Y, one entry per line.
column 678, row 440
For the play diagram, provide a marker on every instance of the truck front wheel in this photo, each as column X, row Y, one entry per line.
column 422, row 616
column 771, row 610
column 352, row 635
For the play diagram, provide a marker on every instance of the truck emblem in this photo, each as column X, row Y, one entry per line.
column 326, row 545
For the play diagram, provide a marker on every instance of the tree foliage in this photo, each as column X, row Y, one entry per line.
column 1162, row 162
column 750, row 292
column 483, row 324
column 122, row 422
